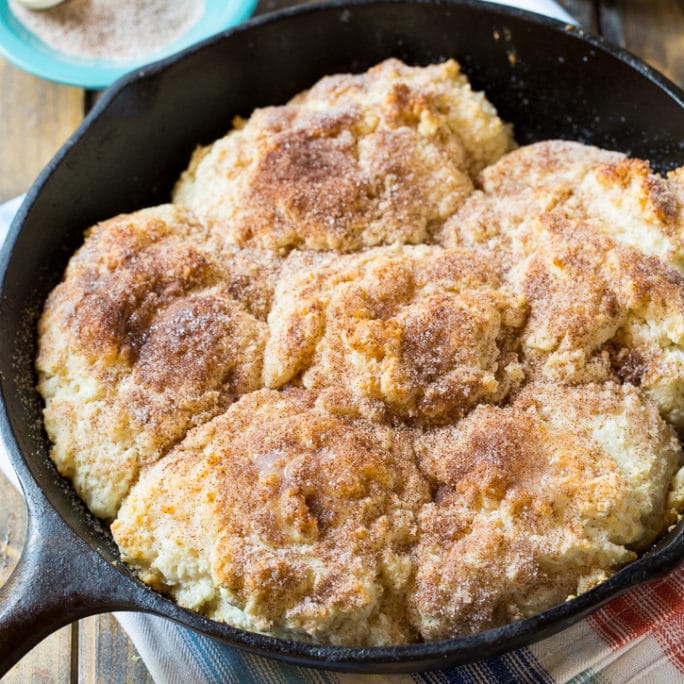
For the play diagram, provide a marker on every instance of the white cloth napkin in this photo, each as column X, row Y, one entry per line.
column 7, row 212
column 547, row 7
column 174, row 655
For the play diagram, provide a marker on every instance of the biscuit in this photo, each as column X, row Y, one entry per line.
column 592, row 242
column 537, row 501
column 620, row 198
column 143, row 339
column 278, row 518
column 357, row 161
column 412, row 332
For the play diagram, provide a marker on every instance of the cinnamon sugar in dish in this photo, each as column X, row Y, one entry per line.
column 100, row 29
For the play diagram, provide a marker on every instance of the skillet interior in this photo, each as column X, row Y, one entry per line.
column 548, row 80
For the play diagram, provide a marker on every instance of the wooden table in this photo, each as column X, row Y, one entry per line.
column 37, row 117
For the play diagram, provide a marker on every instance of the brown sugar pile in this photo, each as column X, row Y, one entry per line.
column 100, row 29
column 376, row 376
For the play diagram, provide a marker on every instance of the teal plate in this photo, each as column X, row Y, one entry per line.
column 21, row 47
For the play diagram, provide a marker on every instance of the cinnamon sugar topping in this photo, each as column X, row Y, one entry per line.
column 375, row 378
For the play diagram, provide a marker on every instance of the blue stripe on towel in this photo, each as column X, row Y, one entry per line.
column 223, row 664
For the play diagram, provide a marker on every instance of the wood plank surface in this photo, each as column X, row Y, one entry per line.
column 651, row 29
column 48, row 663
column 36, row 117
column 51, row 660
column 104, row 647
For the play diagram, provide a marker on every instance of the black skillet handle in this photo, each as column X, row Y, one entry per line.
column 58, row 579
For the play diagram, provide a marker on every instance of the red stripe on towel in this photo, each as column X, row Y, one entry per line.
column 656, row 608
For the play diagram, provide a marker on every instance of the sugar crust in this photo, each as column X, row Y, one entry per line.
column 376, row 376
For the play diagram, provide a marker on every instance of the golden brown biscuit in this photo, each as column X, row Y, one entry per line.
column 598, row 309
column 649, row 347
column 617, row 197
column 279, row 518
column 413, row 332
column 627, row 201
column 538, row 501
column 514, row 191
column 574, row 311
column 143, row 339
column 424, row 97
column 359, row 160
column 592, row 242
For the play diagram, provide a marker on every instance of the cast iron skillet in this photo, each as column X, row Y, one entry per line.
column 550, row 80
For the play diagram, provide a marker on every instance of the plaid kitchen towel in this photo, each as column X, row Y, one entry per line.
column 638, row 637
